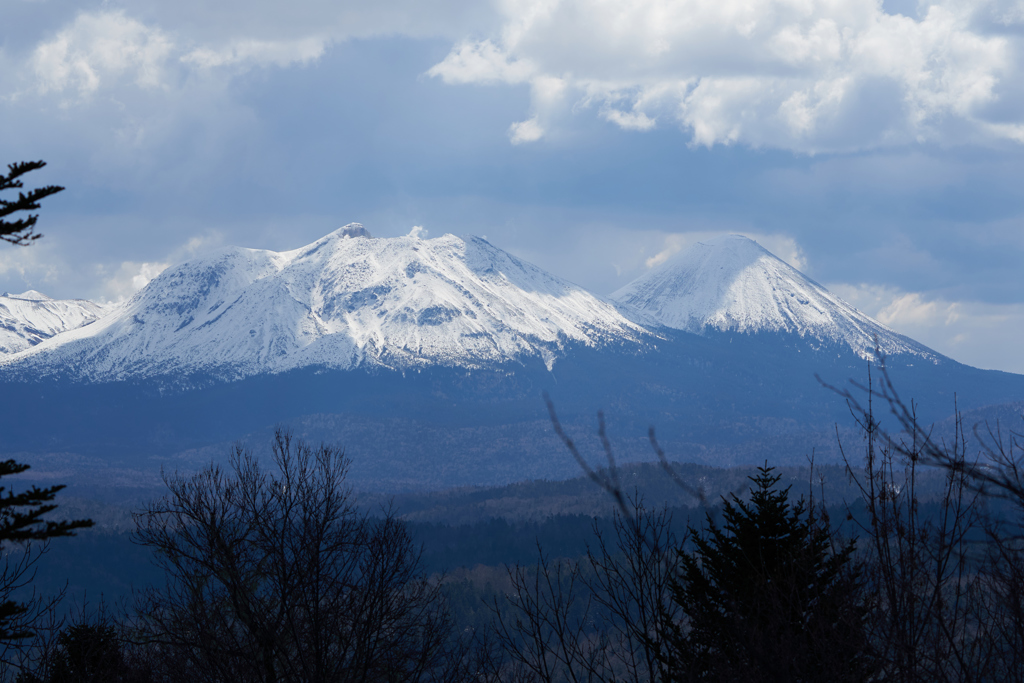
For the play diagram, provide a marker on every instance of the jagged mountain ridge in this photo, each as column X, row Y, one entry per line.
column 732, row 284
column 344, row 301
column 30, row 318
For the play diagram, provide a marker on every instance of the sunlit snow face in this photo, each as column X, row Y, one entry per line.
column 347, row 300
column 732, row 284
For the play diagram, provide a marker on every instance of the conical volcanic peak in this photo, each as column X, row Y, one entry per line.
column 344, row 301
column 731, row 283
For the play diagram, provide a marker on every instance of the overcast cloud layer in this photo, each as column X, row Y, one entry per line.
column 878, row 147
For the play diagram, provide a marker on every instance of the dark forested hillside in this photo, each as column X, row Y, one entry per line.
column 717, row 400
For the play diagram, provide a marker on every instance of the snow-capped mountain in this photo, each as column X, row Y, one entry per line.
column 29, row 318
column 426, row 359
column 731, row 283
column 344, row 301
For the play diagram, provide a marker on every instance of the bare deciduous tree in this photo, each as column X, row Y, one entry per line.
column 949, row 580
column 277, row 577
column 600, row 618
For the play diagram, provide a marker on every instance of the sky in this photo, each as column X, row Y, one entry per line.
column 876, row 146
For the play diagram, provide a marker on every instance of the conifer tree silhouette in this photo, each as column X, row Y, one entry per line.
column 769, row 596
column 22, row 521
column 21, row 231
column 22, row 515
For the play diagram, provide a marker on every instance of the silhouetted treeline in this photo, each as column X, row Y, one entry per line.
column 107, row 563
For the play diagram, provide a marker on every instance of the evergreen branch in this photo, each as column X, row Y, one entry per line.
column 21, row 231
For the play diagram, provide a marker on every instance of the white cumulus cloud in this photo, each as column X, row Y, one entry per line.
column 971, row 332
column 525, row 131
column 251, row 52
column 481, row 62
column 630, row 120
column 110, row 48
column 806, row 76
column 128, row 278
column 98, row 47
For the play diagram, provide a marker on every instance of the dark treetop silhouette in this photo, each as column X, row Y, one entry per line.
column 21, row 231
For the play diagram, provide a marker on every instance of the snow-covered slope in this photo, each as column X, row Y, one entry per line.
column 28, row 318
column 731, row 283
column 344, row 301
